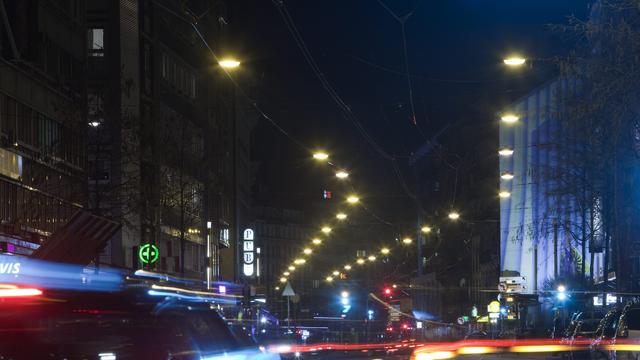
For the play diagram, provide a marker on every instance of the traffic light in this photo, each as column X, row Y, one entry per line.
column 387, row 291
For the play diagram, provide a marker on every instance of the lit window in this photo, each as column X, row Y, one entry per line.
column 95, row 39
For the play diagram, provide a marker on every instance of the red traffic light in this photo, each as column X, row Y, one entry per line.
column 387, row 291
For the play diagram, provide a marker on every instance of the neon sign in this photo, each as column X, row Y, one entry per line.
column 248, row 254
column 148, row 253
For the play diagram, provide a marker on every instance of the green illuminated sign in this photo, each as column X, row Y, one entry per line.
column 148, row 253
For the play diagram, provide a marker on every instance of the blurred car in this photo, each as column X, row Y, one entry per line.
column 133, row 321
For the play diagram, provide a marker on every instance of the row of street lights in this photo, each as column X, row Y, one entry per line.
column 508, row 118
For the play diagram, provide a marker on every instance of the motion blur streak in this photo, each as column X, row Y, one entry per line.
column 192, row 292
column 472, row 350
column 49, row 275
column 623, row 347
column 436, row 355
column 16, row 292
column 196, row 298
column 539, row 348
column 242, row 355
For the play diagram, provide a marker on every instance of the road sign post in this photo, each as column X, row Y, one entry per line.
column 288, row 293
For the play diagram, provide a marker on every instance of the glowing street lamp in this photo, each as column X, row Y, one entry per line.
column 426, row 229
column 329, row 279
column 385, row 251
column 341, row 216
column 353, row 199
column 336, row 273
column 407, row 240
column 504, row 194
column 505, row 152
column 321, row 156
column 561, row 288
column 514, row 61
column 454, row 215
column 291, row 268
column 344, row 294
column 276, row 288
column 326, row 229
column 283, row 280
column 316, row 241
column 360, row 261
column 347, row 267
column 371, row 258
column 286, row 273
column 509, row 118
column 506, row 176
column 299, row 261
column 229, row 63
column 342, row 174
column 307, row 251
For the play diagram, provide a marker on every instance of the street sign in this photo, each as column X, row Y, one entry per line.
column 148, row 253
column 512, row 284
column 288, row 291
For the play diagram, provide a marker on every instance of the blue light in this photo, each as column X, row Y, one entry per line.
column 503, row 310
column 370, row 314
column 561, row 296
column 344, row 301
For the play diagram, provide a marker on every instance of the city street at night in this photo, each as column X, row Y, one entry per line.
column 304, row 179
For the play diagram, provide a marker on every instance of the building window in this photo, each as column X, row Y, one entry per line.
column 95, row 39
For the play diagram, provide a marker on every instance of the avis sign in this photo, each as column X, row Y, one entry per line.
column 248, row 254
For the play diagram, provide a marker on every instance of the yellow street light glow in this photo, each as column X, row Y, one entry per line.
column 514, row 61
column 342, row 174
column 341, row 216
column 299, row 261
column 347, row 267
column 316, row 241
column 336, row 273
column 329, row 279
column 291, row 268
column 283, row 279
column 394, row 286
column 407, row 240
column 385, row 251
column 454, row 215
column 505, row 152
column 509, row 118
column 435, row 355
column 506, row 176
column 504, row 194
column 353, row 199
column 360, row 261
column 307, row 251
column 426, row 229
column 326, row 229
column 276, row 288
column 286, row 273
column 321, row 156
column 371, row 258
column 229, row 63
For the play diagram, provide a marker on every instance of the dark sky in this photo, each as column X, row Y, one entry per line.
column 454, row 53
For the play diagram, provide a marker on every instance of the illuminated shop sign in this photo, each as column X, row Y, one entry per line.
column 248, row 254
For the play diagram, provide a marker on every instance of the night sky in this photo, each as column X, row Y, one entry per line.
column 454, row 49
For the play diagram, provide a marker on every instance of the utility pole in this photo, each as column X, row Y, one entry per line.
column 555, row 249
column 419, row 244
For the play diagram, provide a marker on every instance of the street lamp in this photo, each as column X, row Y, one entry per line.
column 286, row 273
column 561, row 288
column 283, row 280
column 336, row 273
column 371, row 258
column 426, row 229
column 353, row 199
column 229, row 63
column 329, row 279
column 321, row 155
column 342, row 174
column 316, row 241
column 454, row 215
column 291, row 268
column 341, row 216
column 506, row 176
column 326, row 229
column 505, row 152
column 360, row 261
column 514, row 61
column 347, row 267
column 407, row 240
column 276, row 288
column 344, row 294
column 385, row 251
column 307, row 251
column 504, row 194
column 299, row 261
column 509, row 118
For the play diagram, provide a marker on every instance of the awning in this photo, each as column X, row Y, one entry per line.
column 79, row 241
